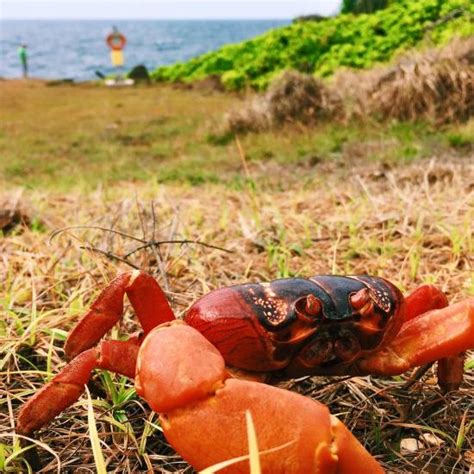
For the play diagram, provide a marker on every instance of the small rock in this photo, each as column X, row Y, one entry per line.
column 139, row 74
column 410, row 445
column 432, row 439
column 10, row 218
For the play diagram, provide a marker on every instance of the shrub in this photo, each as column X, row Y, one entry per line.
column 437, row 85
column 292, row 97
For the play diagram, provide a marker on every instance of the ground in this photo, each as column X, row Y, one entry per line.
column 153, row 164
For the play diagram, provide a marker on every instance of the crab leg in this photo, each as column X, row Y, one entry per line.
column 67, row 386
column 426, row 338
column 147, row 298
column 426, row 298
column 188, row 384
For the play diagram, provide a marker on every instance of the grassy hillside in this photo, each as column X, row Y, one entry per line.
column 321, row 47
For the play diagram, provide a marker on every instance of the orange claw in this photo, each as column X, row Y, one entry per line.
column 295, row 434
column 300, row 433
column 425, row 298
column 426, row 338
column 183, row 376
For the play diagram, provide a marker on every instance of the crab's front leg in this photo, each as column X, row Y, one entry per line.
column 148, row 301
column 67, row 386
column 203, row 412
column 426, row 298
column 435, row 335
column 152, row 309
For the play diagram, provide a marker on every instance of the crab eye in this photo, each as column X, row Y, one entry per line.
column 308, row 307
column 313, row 306
column 360, row 299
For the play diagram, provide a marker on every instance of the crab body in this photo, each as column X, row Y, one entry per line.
column 293, row 325
column 290, row 327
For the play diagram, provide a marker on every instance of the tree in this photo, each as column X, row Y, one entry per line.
column 362, row 6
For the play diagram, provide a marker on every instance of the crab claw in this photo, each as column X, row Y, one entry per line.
column 188, row 384
column 295, row 434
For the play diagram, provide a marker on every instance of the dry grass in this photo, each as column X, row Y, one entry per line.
column 435, row 85
column 359, row 208
column 292, row 97
column 411, row 224
column 84, row 135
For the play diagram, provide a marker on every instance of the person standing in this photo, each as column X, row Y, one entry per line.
column 23, row 55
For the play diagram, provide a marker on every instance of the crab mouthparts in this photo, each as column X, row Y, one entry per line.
column 325, row 348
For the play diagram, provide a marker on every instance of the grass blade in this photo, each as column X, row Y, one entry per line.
column 463, row 431
column 254, row 456
column 222, row 465
column 94, row 437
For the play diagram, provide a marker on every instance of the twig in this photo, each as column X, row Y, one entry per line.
column 110, row 255
column 242, row 157
column 320, row 239
column 416, row 376
column 185, row 241
column 457, row 12
column 140, row 214
column 157, row 252
column 312, row 390
column 95, row 227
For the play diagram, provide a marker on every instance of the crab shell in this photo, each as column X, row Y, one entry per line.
column 319, row 325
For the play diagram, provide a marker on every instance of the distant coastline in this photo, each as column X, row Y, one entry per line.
column 81, row 49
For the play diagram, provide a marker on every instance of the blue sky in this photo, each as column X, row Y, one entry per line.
column 166, row 9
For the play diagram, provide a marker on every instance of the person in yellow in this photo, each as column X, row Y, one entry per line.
column 116, row 41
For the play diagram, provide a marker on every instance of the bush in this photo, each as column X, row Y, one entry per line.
column 362, row 6
column 437, row 85
column 293, row 97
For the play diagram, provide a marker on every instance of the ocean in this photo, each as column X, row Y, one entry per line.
column 76, row 49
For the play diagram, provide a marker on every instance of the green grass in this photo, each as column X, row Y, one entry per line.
column 85, row 139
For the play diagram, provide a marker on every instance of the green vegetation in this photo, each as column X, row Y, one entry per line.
column 362, row 6
column 321, row 47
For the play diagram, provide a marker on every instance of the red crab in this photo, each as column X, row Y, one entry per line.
column 290, row 327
